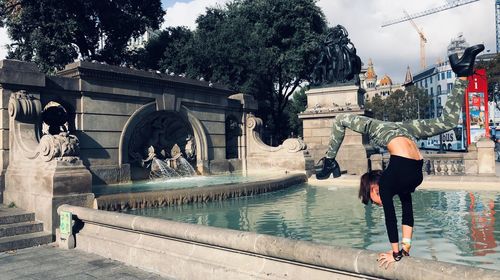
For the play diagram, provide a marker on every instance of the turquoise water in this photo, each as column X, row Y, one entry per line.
column 453, row 226
column 175, row 183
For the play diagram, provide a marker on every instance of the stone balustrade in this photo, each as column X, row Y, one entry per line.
column 440, row 164
column 478, row 160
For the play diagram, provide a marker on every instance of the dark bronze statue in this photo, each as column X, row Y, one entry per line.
column 338, row 62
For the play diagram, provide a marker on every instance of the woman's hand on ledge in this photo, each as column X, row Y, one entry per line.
column 384, row 259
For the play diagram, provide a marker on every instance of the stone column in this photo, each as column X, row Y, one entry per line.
column 470, row 160
column 486, row 156
column 376, row 162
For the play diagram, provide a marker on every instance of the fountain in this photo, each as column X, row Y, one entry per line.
column 168, row 168
column 106, row 125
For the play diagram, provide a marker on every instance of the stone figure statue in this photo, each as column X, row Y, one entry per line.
column 190, row 148
column 338, row 61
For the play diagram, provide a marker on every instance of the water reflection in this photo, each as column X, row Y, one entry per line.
column 454, row 226
column 482, row 214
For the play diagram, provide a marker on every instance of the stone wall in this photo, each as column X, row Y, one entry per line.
column 107, row 104
column 187, row 251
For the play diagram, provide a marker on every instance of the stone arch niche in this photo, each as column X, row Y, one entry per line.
column 163, row 135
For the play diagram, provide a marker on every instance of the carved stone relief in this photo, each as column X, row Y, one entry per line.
column 162, row 135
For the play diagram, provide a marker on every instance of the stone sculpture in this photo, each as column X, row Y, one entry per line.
column 190, row 148
column 338, row 61
column 56, row 143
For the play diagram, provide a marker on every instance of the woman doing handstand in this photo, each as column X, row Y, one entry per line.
column 404, row 172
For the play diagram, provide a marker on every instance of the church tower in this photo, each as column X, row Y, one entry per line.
column 370, row 76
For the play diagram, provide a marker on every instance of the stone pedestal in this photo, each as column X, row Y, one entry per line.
column 470, row 160
column 485, row 157
column 44, row 171
column 324, row 104
column 42, row 187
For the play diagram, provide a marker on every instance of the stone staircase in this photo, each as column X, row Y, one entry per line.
column 18, row 229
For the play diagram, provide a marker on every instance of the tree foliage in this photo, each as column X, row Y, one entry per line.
column 492, row 68
column 53, row 33
column 297, row 105
column 399, row 105
column 266, row 48
column 165, row 52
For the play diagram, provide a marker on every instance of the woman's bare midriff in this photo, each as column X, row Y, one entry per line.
column 404, row 147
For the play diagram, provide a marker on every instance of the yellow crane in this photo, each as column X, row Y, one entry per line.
column 449, row 5
column 423, row 40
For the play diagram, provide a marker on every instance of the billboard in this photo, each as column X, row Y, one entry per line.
column 476, row 107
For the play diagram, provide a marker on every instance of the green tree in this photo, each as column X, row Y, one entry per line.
column 492, row 68
column 399, row 105
column 166, row 49
column 297, row 105
column 52, row 33
column 266, row 48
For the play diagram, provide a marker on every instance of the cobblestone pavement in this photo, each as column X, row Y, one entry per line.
column 50, row 262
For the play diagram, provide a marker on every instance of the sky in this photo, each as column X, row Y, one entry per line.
column 391, row 48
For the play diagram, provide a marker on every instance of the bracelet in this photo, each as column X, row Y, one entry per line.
column 397, row 256
column 406, row 243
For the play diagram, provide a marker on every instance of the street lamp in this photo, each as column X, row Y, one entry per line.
column 418, row 108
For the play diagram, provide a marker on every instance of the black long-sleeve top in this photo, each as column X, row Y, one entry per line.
column 390, row 214
column 400, row 178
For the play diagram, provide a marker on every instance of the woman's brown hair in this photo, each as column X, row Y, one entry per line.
column 368, row 179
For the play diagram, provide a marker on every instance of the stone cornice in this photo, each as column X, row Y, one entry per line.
column 90, row 71
column 325, row 113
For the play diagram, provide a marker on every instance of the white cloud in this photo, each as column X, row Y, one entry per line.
column 4, row 40
column 185, row 14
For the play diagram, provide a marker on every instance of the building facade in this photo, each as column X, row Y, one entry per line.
column 437, row 80
column 373, row 87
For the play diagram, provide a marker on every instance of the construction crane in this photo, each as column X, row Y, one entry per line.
column 449, row 5
column 423, row 40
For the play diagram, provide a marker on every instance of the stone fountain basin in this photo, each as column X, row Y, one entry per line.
column 172, row 195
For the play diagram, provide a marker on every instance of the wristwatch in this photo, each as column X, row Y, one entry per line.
column 397, row 256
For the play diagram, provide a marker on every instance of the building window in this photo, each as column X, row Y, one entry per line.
column 430, row 79
column 439, row 101
column 442, row 75
column 438, row 76
column 449, row 87
column 432, row 91
column 448, row 74
column 439, row 89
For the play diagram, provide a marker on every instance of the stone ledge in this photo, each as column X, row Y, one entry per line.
column 121, row 201
column 122, row 236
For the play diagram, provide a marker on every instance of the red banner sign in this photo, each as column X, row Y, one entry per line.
column 476, row 107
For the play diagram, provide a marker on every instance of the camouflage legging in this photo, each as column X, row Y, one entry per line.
column 381, row 133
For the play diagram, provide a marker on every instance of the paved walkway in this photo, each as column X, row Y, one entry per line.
column 49, row 262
